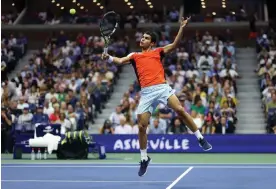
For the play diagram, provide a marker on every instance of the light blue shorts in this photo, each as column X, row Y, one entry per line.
column 152, row 96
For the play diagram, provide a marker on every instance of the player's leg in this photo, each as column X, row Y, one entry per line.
column 143, row 121
column 145, row 108
column 174, row 103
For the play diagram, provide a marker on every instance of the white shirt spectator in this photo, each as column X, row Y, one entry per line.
column 21, row 106
column 213, row 49
column 182, row 55
column 263, row 61
column 25, row 118
column 126, row 129
column 65, row 50
column 232, row 73
column 40, row 82
column 65, row 126
column 73, row 85
column 206, row 47
column 115, row 118
column 48, row 110
column 190, row 74
column 267, row 91
column 33, row 98
column 204, row 58
column 12, row 41
column 50, row 95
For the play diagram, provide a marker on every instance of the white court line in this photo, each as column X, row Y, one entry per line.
column 133, row 166
column 130, row 163
column 179, row 178
column 88, row 181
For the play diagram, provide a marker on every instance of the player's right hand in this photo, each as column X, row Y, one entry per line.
column 105, row 56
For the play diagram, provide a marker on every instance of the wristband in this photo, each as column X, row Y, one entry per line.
column 110, row 59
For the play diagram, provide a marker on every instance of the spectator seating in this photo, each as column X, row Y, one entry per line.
column 8, row 18
column 12, row 49
column 266, row 50
column 203, row 73
column 65, row 82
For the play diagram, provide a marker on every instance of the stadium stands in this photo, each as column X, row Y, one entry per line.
column 266, row 71
column 13, row 48
column 65, row 82
column 203, row 73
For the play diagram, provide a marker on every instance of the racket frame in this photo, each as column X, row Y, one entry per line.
column 107, row 37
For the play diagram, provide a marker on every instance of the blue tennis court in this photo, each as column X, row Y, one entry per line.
column 124, row 176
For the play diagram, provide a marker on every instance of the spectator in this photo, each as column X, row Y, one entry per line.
column 47, row 108
column 272, row 104
column 209, row 126
column 156, row 128
column 115, row 116
column 174, row 15
column 25, row 120
column 6, row 128
column 197, row 108
column 51, row 94
column 65, row 123
column 177, row 127
column 123, row 128
column 223, row 126
column 39, row 116
column 107, row 128
column 54, row 117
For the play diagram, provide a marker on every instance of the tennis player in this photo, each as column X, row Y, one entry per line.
column 154, row 89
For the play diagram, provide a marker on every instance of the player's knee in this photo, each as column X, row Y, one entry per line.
column 143, row 128
column 180, row 110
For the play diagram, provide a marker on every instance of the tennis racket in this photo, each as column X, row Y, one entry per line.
column 108, row 25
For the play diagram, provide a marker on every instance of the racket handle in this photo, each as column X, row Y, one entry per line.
column 105, row 50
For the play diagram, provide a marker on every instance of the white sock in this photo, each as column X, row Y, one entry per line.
column 198, row 135
column 144, row 155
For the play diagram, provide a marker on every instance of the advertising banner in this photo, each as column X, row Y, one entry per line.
column 184, row 143
column 189, row 143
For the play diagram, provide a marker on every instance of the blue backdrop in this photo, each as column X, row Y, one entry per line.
column 183, row 143
column 188, row 143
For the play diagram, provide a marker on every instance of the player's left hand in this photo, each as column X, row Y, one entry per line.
column 184, row 21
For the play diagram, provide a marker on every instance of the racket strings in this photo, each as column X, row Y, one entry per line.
column 108, row 24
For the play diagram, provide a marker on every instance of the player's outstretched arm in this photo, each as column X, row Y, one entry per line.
column 172, row 46
column 116, row 60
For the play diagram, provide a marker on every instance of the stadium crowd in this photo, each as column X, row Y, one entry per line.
column 133, row 18
column 85, row 17
column 266, row 71
column 65, row 82
column 8, row 18
column 203, row 73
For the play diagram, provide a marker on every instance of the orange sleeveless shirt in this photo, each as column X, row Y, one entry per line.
column 148, row 67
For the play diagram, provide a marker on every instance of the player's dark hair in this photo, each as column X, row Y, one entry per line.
column 152, row 35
